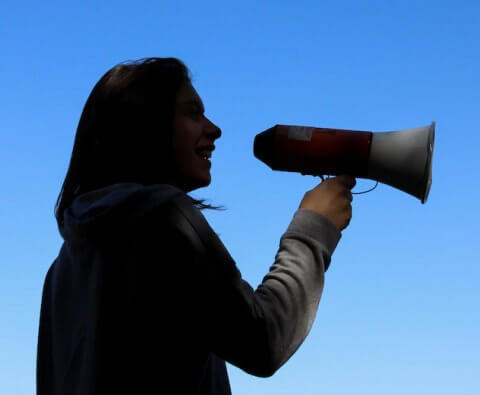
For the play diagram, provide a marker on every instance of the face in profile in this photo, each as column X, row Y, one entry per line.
column 193, row 140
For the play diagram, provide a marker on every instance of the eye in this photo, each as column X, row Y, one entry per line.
column 195, row 112
column 195, row 115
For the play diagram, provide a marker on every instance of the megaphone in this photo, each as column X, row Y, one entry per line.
column 401, row 159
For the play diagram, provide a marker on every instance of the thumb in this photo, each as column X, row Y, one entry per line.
column 348, row 181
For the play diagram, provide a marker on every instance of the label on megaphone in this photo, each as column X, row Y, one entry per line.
column 301, row 133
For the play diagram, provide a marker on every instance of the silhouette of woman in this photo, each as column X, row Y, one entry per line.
column 138, row 303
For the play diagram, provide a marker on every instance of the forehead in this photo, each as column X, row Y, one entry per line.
column 187, row 93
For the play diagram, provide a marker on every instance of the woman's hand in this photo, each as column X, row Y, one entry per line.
column 332, row 198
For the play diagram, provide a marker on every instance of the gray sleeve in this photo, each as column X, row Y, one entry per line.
column 290, row 293
column 259, row 330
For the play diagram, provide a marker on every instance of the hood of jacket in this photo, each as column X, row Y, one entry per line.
column 114, row 208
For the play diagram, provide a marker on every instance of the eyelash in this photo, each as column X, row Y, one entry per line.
column 196, row 113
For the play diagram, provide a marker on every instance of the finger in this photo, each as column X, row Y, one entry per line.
column 346, row 194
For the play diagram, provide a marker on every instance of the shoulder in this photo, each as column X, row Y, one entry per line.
column 184, row 224
column 180, row 220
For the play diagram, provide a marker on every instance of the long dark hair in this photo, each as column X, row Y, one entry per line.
column 125, row 130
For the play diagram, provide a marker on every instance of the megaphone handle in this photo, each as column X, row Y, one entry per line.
column 353, row 193
column 315, row 175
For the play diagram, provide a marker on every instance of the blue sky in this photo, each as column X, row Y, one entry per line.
column 399, row 313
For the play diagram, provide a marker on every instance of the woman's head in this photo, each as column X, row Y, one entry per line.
column 193, row 140
column 137, row 126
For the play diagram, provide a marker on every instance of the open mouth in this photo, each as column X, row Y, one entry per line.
column 205, row 156
column 205, row 153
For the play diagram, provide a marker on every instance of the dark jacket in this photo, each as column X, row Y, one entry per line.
column 143, row 298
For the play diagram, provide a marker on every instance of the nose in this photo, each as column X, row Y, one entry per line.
column 213, row 130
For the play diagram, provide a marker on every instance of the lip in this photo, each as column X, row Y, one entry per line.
column 206, row 162
column 209, row 147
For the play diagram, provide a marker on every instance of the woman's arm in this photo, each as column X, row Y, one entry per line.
column 255, row 330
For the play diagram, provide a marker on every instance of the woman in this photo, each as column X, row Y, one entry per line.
column 138, row 301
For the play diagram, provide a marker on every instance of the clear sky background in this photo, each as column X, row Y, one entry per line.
column 400, row 309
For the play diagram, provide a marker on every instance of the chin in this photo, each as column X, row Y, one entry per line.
column 203, row 184
column 197, row 184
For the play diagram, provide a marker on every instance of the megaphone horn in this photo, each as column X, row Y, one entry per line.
column 401, row 159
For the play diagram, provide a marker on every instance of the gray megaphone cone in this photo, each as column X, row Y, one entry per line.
column 403, row 159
